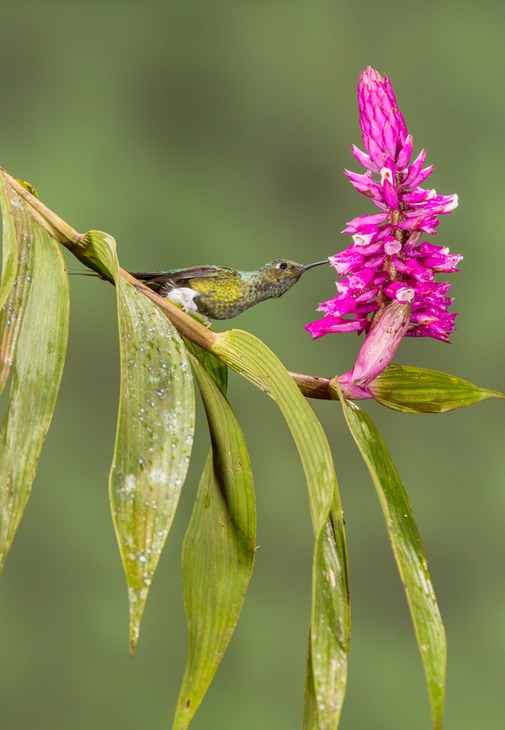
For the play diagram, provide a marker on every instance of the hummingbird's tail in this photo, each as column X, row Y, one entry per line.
column 147, row 275
column 158, row 282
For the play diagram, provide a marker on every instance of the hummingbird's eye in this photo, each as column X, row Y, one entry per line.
column 283, row 265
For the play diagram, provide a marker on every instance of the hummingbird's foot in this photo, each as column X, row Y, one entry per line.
column 200, row 318
column 206, row 321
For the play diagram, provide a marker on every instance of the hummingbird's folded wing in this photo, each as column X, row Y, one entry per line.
column 179, row 277
column 192, row 272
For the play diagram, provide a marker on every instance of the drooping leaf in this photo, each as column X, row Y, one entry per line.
column 18, row 253
column 310, row 719
column 408, row 552
column 9, row 240
column 416, row 390
column 330, row 619
column 218, row 552
column 33, row 346
column 154, row 432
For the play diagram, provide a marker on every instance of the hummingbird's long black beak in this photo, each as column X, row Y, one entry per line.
column 316, row 263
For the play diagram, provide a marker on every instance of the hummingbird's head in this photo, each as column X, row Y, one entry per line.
column 282, row 274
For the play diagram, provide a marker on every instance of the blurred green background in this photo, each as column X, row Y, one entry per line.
column 199, row 132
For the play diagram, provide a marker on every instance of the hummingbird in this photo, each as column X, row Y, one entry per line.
column 219, row 292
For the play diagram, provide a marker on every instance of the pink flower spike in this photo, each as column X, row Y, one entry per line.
column 386, row 265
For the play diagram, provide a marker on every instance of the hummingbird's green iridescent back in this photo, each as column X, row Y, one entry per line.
column 219, row 292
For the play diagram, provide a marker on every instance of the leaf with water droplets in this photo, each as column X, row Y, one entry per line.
column 16, row 274
column 154, row 437
column 9, row 241
column 330, row 618
column 33, row 340
column 218, row 552
column 408, row 551
column 154, row 432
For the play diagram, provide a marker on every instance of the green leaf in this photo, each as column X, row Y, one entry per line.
column 16, row 275
column 416, row 390
column 218, row 552
column 310, row 720
column 98, row 251
column 17, row 254
column 330, row 618
column 408, row 552
column 35, row 322
column 154, row 431
column 153, row 442
column 214, row 367
column 9, row 239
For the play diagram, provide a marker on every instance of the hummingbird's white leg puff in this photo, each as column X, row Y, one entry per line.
column 184, row 297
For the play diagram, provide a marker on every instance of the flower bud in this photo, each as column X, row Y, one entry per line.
column 381, row 343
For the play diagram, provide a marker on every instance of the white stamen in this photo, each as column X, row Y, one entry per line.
column 392, row 247
column 405, row 295
column 362, row 239
column 386, row 174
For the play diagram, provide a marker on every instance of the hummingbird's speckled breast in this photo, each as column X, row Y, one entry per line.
column 221, row 297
